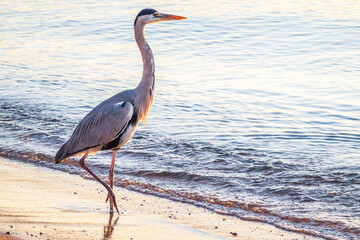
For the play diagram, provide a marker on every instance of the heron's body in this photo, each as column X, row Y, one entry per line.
column 108, row 126
column 113, row 122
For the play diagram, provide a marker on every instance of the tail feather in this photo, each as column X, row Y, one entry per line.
column 61, row 154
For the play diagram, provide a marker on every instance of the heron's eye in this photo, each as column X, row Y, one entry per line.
column 156, row 14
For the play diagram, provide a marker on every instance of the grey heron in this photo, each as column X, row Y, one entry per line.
column 112, row 123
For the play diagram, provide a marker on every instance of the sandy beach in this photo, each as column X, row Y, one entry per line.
column 40, row 203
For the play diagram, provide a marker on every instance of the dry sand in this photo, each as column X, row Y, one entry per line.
column 40, row 203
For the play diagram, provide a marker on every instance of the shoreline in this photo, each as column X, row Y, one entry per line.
column 42, row 203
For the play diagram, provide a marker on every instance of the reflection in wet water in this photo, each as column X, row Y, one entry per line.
column 109, row 228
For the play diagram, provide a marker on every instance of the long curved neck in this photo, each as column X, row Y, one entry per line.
column 145, row 89
column 148, row 79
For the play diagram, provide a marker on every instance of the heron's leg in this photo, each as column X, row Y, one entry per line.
column 110, row 192
column 111, row 172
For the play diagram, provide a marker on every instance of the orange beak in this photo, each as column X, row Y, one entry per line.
column 171, row 17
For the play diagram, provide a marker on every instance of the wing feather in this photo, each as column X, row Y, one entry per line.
column 98, row 127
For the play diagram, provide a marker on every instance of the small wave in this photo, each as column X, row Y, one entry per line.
column 325, row 137
column 237, row 208
column 39, row 158
column 25, row 155
column 258, row 212
column 190, row 177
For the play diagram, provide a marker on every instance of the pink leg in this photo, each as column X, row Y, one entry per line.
column 111, row 172
column 110, row 192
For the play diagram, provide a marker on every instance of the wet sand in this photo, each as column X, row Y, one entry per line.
column 41, row 203
column 8, row 237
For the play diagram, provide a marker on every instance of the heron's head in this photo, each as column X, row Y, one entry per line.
column 149, row 15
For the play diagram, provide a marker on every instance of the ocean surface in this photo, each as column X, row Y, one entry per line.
column 256, row 112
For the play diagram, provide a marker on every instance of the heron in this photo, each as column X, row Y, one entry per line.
column 112, row 123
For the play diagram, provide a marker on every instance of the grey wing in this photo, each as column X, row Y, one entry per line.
column 102, row 125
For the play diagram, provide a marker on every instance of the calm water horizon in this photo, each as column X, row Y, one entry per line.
column 256, row 112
